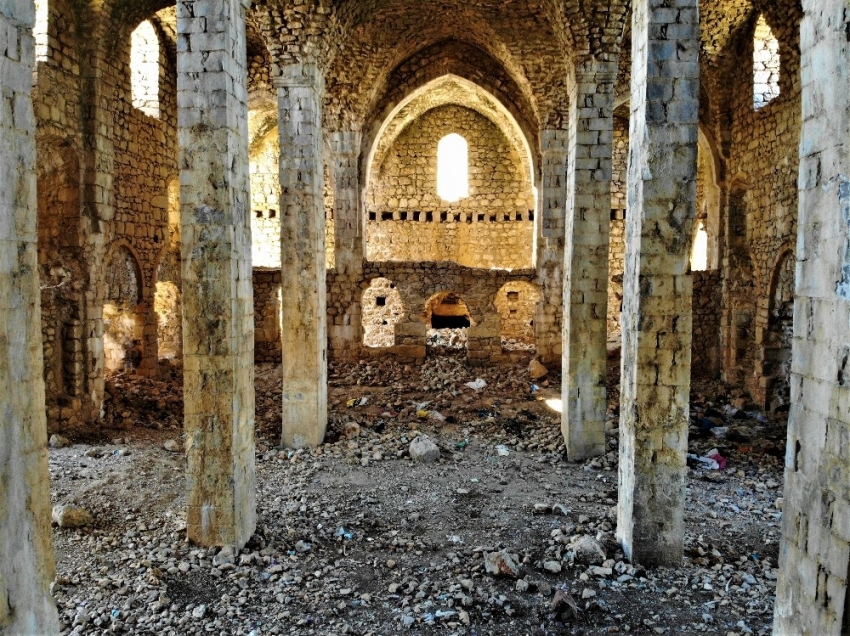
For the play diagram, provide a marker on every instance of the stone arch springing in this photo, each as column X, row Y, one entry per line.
column 448, row 319
column 382, row 310
column 517, row 304
column 144, row 69
column 779, row 333
column 766, row 64
column 123, row 310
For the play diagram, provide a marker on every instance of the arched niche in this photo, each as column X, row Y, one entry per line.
column 779, row 333
column 123, row 312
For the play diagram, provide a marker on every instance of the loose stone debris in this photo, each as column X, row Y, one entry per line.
column 357, row 537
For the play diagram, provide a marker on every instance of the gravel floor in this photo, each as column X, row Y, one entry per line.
column 358, row 538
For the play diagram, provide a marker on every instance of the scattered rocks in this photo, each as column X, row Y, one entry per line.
column 564, row 605
column 70, row 516
column 501, row 563
column 422, row 534
column 57, row 441
column 536, row 369
column 586, row 550
column 172, row 446
column 422, row 449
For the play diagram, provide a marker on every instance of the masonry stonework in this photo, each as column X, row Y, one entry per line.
column 584, row 362
column 304, row 303
column 26, row 555
column 216, row 238
column 812, row 595
column 656, row 360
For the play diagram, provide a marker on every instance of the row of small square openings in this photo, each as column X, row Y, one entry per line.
column 453, row 217
column 265, row 214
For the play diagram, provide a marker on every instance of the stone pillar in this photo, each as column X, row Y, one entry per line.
column 550, row 243
column 344, row 317
column 218, row 327
column 300, row 88
column 26, row 554
column 656, row 360
column 585, row 296
column 813, row 591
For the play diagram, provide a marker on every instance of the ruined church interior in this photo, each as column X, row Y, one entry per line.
column 372, row 317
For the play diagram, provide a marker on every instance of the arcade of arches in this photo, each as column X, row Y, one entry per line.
column 197, row 188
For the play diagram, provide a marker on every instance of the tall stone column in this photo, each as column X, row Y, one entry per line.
column 656, row 361
column 218, row 326
column 26, row 553
column 344, row 318
column 813, row 590
column 345, row 149
column 552, row 199
column 300, row 88
column 585, row 321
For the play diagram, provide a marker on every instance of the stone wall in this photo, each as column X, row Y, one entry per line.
column 99, row 153
column 706, row 310
column 61, row 249
column 26, row 555
column 616, row 262
column 404, row 185
column 762, row 171
column 406, row 288
column 267, row 294
column 145, row 161
column 813, row 591
column 482, row 239
column 382, row 311
column 123, row 325
column 265, row 204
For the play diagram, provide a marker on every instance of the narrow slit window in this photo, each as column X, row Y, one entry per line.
column 453, row 168
column 699, row 256
column 144, row 69
column 39, row 32
column 766, row 65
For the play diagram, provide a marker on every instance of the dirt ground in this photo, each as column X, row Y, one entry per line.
column 357, row 538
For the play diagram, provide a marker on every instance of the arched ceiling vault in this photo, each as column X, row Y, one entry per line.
column 449, row 89
column 518, row 35
column 447, row 58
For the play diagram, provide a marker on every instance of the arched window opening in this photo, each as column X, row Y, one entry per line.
column 39, row 31
column 453, row 168
column 765, row 65
column 699, row 255
column 144, row 68
column 448, row 318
